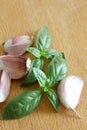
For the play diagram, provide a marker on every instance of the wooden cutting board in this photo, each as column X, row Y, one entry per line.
column 67, row 23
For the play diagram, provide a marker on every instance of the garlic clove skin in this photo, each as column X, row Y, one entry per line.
column 28, row 63
column 5, row 82
column 18, row 45
column 15, row 65
column 69, row 91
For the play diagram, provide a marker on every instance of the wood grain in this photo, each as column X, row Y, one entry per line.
column 67, row 22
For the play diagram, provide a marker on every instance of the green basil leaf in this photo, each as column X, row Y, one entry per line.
column 34, row 51
column 41, row 77
column 30, row 79
column 52, row 96
column 43, row 41
column 22, row 105
column 62, row 55
column 57, row 70
column 51, row 53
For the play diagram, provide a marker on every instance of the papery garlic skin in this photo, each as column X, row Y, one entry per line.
column 18, row 45
column 5, row 82
column 69, row 91
column 28, row 63
column 14, row 65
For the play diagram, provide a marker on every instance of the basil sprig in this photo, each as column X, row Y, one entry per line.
column 43, row 43
column 22, row 105
column 56, row 71
column 27, row 102
column 31, row 79
column 44, row 84
column 42, row 51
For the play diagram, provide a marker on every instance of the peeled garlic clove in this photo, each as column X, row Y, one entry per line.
column 5, row 81
column 69, row 91
column 16, row 66
column 18, row 45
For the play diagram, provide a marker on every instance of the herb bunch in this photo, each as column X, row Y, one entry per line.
column 27, row 102
column 41, row 52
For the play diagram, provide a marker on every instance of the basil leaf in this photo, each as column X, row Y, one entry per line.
column 53, row 98
column 51, row 53
column 43, row 41
column 57, row 70
column 41, row 77
column 22, row 105
column 34, row 51
column 62, row 55
column 30, row 79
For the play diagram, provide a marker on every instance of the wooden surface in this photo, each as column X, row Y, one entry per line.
column 67, row 22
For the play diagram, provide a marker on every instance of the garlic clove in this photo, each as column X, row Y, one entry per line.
column 18, row 45
column 5, row 81
column 69, row 91
column 14, row 65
